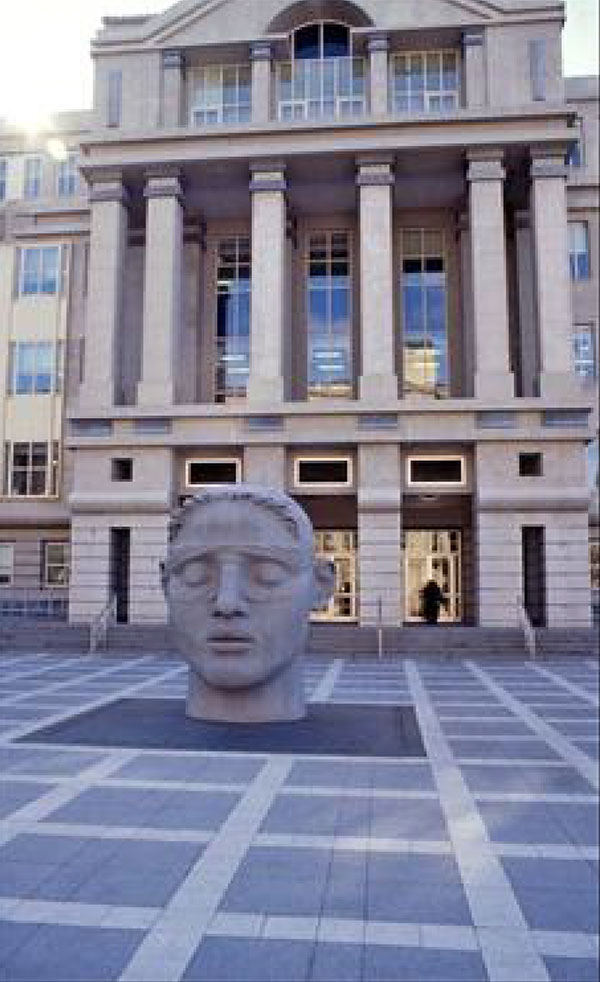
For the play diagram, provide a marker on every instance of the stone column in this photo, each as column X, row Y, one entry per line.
column 493, row 378
column 172, row 88
column 149, row 543
column 267, row 187
column 108, row 242
column 378, row 382
column 379, row 74
column 260, row 56
column 90, row 567
column 162, row 289
column 553, row 286
column 475, row 83
column 380, row 533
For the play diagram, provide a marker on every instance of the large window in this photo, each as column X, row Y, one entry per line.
column 55, row 564
column 233, row 318
column 3, row 178
column 34, row 368
column 7, row 561
column 424, row 317
column 39, row 270
column 579, row 250
column 31, row 469
column 323, row 79
column 584, row 351
column 329, row 308
column 221, row 94
column 425, row 82
column 66, row 183
column 32, row 179
column 340, row 547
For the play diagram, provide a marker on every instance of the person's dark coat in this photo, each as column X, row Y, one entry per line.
column 431, row 600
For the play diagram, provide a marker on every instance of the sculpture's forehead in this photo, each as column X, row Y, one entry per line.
column 237, row 523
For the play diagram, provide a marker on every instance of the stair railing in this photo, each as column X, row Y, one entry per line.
column 527, row 628
column 100, row 625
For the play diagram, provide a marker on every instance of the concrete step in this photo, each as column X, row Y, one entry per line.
column 416, row 640
column 43, row 636
column 573, row 641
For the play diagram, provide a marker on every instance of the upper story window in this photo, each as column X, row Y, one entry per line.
column 66, row 182
column 32, row 178
column 34, row 367
column 7, row 563
column 31, row 469
column 3, row 178
column 424, row 311
column 584, row 351
column 233, row 318
column 579, row 250
column 39, row 270
column 221, row 94
column 329, row 314
column 323, row 79
column 56, row 562
column 425, row 82
column 575, row 154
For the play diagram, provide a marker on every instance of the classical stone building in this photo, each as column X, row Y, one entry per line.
column 348, row 249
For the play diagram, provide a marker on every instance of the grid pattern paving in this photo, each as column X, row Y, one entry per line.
column 478, row 862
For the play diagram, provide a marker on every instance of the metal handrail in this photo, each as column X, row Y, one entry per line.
column 101, row 623
column 527, row 627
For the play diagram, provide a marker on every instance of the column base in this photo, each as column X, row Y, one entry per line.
column 160, row 393
column 265, row 392
column 494, row 386
column 96, row 394
column 380, row 388
column 560, row 386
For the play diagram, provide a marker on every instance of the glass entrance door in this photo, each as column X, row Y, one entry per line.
column 433, row 554
column 340, row 547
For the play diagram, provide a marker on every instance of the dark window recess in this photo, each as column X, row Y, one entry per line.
column 212, row 472
column 322, row 472
column 530, row 465
column 436, row 471
column 122, row 469
column 534, row 573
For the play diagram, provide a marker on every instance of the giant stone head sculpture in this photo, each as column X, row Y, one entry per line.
column 240, row 580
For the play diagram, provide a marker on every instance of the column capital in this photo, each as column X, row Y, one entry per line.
column 375, row 171
column 473, row 37
column 261, row 51
column 378, row 41
column 108, row 187
column 548, row 162
column 173, row 59
column 163, row 182
column 267, row 175
column 485, row 165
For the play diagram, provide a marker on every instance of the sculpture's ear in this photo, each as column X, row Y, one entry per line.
column 324, row 571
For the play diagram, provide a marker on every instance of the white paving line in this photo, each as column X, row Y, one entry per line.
column 322, row 692
column 85, row 679
column 576, row 690
column 525, row 850
column 493, row 904
column 167, row 949
column 563, row 747
column 77, row 914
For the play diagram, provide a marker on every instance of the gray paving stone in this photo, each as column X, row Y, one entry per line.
column 22, row 879
column 416, row 903
column 196, row 810
column 549, row 874
column 508, row 749
column 12, row 936
column 221, row 770
column 346, row 887
column 524, row 822
column 334, row 962
column 579, row 821
column 279, row 881
column 540, row 780
column 407, row 819
column 302, row 814
column 52, row 850
column 72, row 954
column 13, row 795
column 559, row 910
column 249, row 960
column 387, row 964
column 112, row 806
column 572, row 969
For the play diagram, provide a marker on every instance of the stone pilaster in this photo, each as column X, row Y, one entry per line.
column 90, row 568
column 267, row 187
column 493, row 378
column 162, row 289
column 379, row 74
column 108, row 243
column 378, row 382
column 553, row 287
column 149, row 543
column 473, row 41
column 380, row 533
column 265, row 465
column 260, row 56
column 528, row 332
column 172, row 88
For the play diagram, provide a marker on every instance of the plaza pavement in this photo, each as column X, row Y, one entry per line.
column 478, row 862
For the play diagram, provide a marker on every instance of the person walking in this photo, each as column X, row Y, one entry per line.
column 431, row 600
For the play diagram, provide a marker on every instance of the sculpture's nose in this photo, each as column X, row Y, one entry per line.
column 229, row 601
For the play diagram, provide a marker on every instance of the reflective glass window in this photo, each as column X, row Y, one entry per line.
column 233, row 318
column 329, row 310
column 424, row 312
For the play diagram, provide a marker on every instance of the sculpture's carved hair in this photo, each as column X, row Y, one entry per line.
column 285, row 508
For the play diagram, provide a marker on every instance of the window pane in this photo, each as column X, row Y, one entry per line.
column 49, row 281
column 306, row 42
column 336, row 41
column 25, row 369
column 44, row 368
column 31, row 267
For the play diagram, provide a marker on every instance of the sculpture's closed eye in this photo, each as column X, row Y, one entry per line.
column 195, row 573
column 267, row 572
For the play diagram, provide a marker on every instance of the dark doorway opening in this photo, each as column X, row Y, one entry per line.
column 120, row 551
column 534, row 573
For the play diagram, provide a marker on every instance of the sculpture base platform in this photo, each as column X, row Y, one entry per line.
column 161, row 724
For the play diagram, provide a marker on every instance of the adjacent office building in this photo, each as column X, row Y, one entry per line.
column 347, row 249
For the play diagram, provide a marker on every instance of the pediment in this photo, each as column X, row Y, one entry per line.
column 197, row 22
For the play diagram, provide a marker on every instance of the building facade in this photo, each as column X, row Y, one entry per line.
column 346, row 249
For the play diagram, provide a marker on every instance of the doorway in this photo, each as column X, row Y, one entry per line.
column 120, row 550
column 339, row 546
column 433, row 554
column 534, row 574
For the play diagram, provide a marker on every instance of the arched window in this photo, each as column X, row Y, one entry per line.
column 322, row 79
column 322, row 40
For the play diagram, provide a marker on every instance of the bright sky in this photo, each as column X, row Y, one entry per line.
column 44, row 50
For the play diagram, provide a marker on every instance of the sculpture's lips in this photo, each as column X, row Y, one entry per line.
column 230, row 640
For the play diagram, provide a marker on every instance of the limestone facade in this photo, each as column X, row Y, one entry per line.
column 345, row 249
